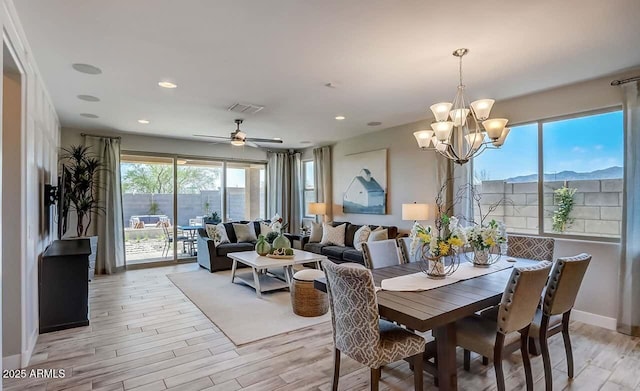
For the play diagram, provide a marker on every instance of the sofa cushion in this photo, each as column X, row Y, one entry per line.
column 314, row 248
column 227, row 248
column 333, row 235
column 245, row 233
column 231, row 233
column 352, row 255
column 350, row 233
column 334, row 251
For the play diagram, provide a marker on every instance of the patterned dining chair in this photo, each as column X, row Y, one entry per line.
column 358, row 331
column 381, row 253
column 530, row 247
column 496, row 338
column 558, row 300
column 405, row 250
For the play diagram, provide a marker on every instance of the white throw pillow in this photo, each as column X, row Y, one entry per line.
column 361, row 236
column 378, row 234
column 218, row 233
column 316, row 233
column 265, row 229
column 245, row 233
column 333, row 235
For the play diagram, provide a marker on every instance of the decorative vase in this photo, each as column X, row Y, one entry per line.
column 281, row 242
column 481, row 257
column 436, row 269
column 262, row 247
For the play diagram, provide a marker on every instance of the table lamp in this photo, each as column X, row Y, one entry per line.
column 317, row 208
column 415, row 212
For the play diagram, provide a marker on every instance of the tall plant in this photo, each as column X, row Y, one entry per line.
column 562, row 216
column 81, row 186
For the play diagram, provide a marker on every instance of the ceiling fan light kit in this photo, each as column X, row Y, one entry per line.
column 456, row 133
column 238, row 138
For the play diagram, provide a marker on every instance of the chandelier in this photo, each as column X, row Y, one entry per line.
column 456, row 134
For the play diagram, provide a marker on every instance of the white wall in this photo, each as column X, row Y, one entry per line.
column 38, row 144
column 411, row 177
column 142, row 143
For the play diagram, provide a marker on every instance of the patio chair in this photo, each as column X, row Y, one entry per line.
column 168, row 240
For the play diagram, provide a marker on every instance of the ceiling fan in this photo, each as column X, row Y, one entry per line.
column 239, row 138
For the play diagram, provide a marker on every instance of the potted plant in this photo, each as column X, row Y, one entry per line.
column 81, row 167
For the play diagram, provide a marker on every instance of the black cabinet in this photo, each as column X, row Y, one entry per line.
column 63, row 285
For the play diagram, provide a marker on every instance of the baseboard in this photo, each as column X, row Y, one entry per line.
column 594, row 319
column 11, row 362
column 26, row 355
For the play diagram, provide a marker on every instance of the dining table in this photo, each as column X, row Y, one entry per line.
column 191, row 231
column 438, row 309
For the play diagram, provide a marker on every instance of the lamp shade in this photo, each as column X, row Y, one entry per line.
column 503, row 136
column 442, row 130
column 415, row 212
column 494, row 127
column 423, row 137
column 482, row 108
column 441, row 110
column 317, row 208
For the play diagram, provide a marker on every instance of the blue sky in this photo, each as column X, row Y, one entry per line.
column 582, row 144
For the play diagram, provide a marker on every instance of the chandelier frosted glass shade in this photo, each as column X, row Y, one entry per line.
column 457, row 133
column 423, row 137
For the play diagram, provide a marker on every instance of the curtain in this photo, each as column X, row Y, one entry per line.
column 107, row 224
column 323, row 178
column 629, row 294
column 284, row 178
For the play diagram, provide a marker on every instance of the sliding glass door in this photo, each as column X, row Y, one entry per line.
column 148, row 206
column 246, row 191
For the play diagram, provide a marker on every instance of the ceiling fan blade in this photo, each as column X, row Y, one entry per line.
column 251, row 144
column 205, row 135
column 263, row 140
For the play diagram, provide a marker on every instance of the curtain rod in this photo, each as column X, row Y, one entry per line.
column 97, row 135
column 623, row 81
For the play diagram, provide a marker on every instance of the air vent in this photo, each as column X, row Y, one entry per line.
column 244, row 108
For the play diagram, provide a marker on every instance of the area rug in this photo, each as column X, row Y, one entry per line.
column 237, row 311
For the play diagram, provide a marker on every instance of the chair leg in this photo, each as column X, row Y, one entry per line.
column 544, row 349
column 497, row 361
column 375, row 378
column 485, row 360
column 567, row 343
column 534, row 346
column 336, row 369
column 467, row 360
column 417, row 371
column 526, row 361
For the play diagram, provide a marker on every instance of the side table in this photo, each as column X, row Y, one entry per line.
column 302, row 238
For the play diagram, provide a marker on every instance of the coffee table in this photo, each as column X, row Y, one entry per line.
column 262, row 281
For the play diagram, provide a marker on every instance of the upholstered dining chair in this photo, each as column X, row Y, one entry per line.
column 381, row 253
column 405, row 249
column 530, row 247
column 496, row 338
column 358, row 331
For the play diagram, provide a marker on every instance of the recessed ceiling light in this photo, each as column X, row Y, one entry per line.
column 87, row 68
column 167, row 84
column 89, row 115
column 143, row 121
column 88, row 98
column 340, row 117
column 374, row 123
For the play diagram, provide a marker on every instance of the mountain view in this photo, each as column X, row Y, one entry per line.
column 614, row 172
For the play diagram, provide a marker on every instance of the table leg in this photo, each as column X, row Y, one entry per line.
column 288, row 274
column 233, row 270
column 256, row 281
column 446, row 347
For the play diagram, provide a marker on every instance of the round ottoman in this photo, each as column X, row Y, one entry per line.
column 305, row 299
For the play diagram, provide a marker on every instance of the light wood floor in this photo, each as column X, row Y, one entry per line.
column 146, row 335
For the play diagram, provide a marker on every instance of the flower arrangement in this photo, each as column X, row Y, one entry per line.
column 441, row 242
column 484, row 237
column 277, row 223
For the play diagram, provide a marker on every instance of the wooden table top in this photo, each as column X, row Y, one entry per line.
column 433, row 308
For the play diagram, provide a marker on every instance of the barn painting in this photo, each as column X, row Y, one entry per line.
column 367, row 191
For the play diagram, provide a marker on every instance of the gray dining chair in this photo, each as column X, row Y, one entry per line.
column 530, row 247
column 496, row 338
column 381, row 253
column 405, row 249
column 358, row 331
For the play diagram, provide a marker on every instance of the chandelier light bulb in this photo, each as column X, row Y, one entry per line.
column 494, row 127
column 441, row 110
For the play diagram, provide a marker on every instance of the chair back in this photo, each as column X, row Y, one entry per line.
column 564, row 284
column 405, row 250
column 530, row 247
column 522, row 296
column 165, row 230
column 381, row 253
column 354, row 311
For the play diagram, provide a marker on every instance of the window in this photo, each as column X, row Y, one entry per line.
column 308, row 179
column 582, row 158
column 246, row 191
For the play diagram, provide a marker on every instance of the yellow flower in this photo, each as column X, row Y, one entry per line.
column 455, row 242
column 490, row 242
column 426, row 238
column 444, row 248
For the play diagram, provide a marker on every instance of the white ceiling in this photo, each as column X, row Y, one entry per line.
column 390, row 60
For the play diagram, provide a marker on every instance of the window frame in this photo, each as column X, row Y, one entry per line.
column 541, row 206
column 304, row 188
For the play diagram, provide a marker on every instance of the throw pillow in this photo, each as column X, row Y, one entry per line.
column 361, row 236
column 265, row 229
column 218, row 233
column 245, row 232
column 378, row 234
column 316, row 233
column 333, row 235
